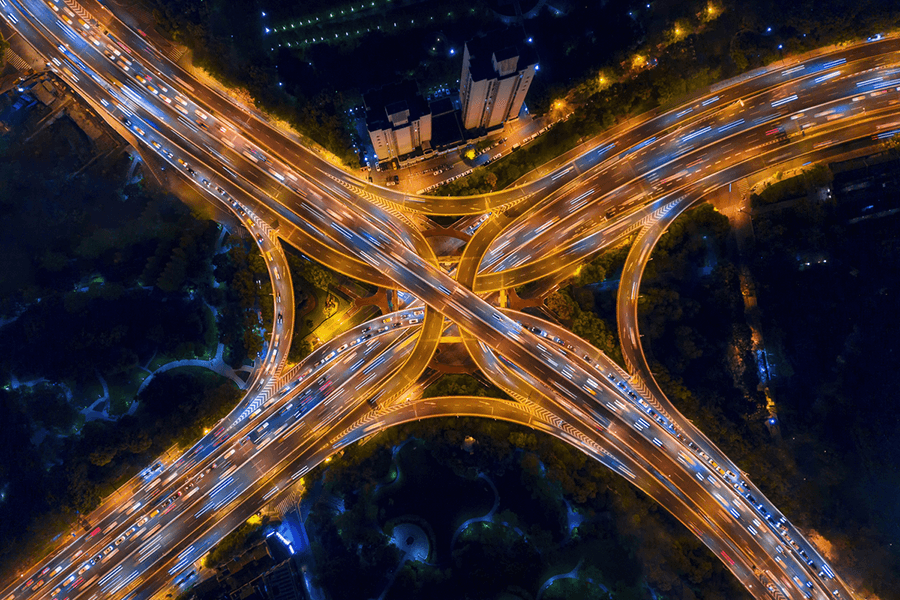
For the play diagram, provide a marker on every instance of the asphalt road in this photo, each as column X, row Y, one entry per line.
column 567, row 215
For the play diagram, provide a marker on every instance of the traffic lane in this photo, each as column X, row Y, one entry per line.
column 579, row 348
column 247, row 505
column 578, row 249
column 418, row 360
column 461, row 318
column 563, row 258
column 627, row 318
column 104, row 540
column 366, row 336
column 255, row 464
column 268, row 136
column 551, row 222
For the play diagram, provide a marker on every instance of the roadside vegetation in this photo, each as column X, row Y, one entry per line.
column 623, row 543
column 105, row 280
column 824, row 280
column 461, row 385
column 828, row 274
column 679, row 48
column 312, row 301
column 586, row 303
column 236, row 542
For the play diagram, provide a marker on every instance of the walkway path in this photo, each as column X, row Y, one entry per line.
column 573, row 574
column 486, row 518
column 573, row 519
column 216, row 365
column 412, row 541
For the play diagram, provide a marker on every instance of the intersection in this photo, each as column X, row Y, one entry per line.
column 631, row 179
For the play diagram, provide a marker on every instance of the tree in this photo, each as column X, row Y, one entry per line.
column 460, row 385
column 592, row 328
column 592, row 272
column 4, row 46
column 561, row 304
column 318, row 276
column 173, row 275
column 300, row 349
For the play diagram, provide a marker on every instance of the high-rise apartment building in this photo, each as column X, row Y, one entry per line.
column 497, row 71
column 398, row 120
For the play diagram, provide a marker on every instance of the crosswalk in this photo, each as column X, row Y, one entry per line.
column 16, row 61
column 289, row 503
column 175, row 53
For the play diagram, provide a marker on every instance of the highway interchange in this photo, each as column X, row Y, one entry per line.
column 633, row 179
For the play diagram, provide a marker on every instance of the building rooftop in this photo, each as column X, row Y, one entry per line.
column 506, row 53
column 439, row 107
column 282, row 582
column 446, row 130
column 394, row 105
column 498, row 46
column 44, row 92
